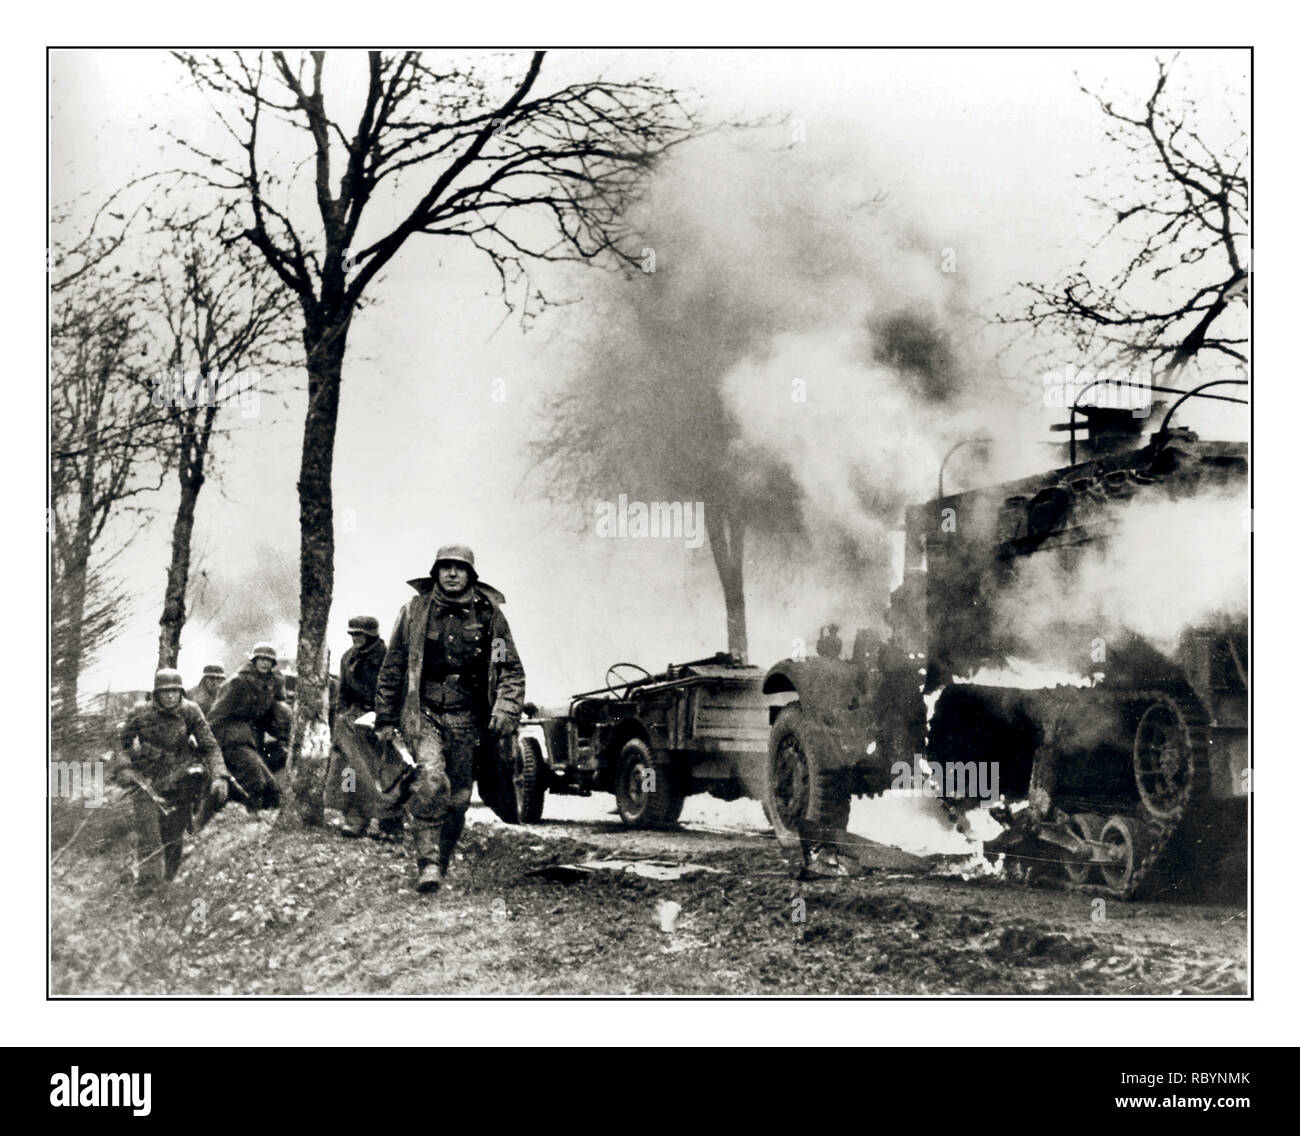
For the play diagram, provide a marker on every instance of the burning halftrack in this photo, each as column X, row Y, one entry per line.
column 1134, row 775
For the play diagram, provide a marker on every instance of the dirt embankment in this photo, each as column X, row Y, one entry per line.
column 261, row 911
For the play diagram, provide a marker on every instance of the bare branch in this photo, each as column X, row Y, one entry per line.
column 1179, row 213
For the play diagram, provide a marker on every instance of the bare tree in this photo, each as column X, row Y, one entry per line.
column 106, row 450
column 521, row 171
column 1168, row 280
column 224, row 318
column 88, row 246
column 76, row 638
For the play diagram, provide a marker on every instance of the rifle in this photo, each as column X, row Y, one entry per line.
column 142, row 782
column 237, row 791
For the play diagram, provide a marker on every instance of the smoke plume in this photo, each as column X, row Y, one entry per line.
column 794, row 349
column 259, row 602
column 1167, row 565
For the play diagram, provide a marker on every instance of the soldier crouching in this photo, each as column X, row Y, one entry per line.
column 167, row 773
column 250, row 707
column 451, row 674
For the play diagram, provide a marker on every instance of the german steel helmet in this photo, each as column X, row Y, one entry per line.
column 167, row 679
column 365, row 624
column 456, row 554
column 264, row 651
column 214, row 670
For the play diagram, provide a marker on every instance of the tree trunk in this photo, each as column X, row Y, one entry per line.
column 72, row 588
column 310, row 744
column 733, row 591
column 178, row 572
column 727, row 541
column 70, row 610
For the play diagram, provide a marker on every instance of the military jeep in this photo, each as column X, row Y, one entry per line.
column 650, row 739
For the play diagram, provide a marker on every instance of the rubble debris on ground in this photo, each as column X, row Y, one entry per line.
column 647, row 869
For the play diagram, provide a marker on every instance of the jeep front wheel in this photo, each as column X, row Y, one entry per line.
column 643, row 788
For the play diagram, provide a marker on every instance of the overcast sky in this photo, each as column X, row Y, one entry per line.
column 978, row 150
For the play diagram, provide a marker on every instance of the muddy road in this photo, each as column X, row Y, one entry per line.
column 541, row 910
column 934, row 868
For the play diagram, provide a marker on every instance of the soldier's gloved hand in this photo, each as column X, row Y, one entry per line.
column 220, row 791
column 502, row 725
column 384, row 734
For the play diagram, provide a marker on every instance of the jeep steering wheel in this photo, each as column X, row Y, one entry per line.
column 612, row 674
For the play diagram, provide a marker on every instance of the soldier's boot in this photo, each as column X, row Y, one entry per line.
column 447, row 838
column 148, row 885
column 353, row 826
column 271, row 795
column 172, row 854
column 262, row 795
column 426, row 854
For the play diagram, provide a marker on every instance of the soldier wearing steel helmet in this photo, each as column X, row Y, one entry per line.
column 355, row 756
column 452, row 683
column 250, row 707
column 171, row 755
column 205, row 692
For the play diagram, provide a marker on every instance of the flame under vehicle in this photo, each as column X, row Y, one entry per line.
column 1131, row 777
column 651, row 740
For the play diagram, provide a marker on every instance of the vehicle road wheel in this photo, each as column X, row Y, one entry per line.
column 1086, row 826
column 801, row 787
column 1168, row 763
column 529, row 780
column 643, row 788
column 1127, row 845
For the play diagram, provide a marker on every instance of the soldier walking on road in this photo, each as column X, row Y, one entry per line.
column 451, row 675
column 251, row 706
column 355, row 749
column 205, row 694
column 167, row 773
